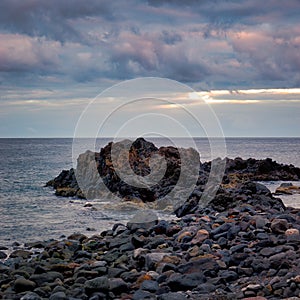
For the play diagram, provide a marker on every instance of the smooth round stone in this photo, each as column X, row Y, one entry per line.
column 262, row 236
column 260, row 222
column 255, row 298
column 58, row 296
column 21, row 285
column 21, row 253
column 279, row 225
column 117, row 285
column 150, row 286
column 96, row 284
column 268, row 251
column 140, row 294
column 3, row 255
column 291, row 231
column 31, row 296
column 173, row 296
column 201, row 235
column 228, row 275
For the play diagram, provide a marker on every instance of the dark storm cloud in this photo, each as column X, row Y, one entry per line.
column 235, row 11
column 171, row 38
column 52, row 19
column 274, row 55
column 219, row 44
column 157, row 54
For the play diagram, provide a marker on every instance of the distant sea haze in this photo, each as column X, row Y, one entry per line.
column 29, row 211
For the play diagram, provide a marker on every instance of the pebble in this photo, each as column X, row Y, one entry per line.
column 279, row 225
column 292, row 231
column 3, row 255
column 21, row 285
column 249, row 251
column 31, row 296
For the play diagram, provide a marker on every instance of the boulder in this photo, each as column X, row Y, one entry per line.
column 279, row 225
column 97, row 175
column 21, row 285
column 287, row 189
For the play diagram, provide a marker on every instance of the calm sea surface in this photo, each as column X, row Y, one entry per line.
column 29, row 211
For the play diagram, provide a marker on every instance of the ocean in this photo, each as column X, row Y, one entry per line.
column 30, row 212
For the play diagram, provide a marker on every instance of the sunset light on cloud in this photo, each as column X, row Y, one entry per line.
column 240, row 57
column 250, row 96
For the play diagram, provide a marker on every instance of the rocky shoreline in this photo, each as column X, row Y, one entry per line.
column 91, row 165
column 245, row 247
column 245, row 244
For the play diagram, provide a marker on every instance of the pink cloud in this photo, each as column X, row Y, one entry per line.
column 271, row 53
column 20, row 52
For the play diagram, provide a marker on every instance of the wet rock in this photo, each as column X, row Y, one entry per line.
column 201, row 236
column 255, row 298
column 221, row 229
column 142, row 220
column 187, row 207
column 279, row 225
column 48, row 277
column 205, row 288
column 140, row 295
column 58, row 296
column 291, row 232
column 31, row 296
column 172, row 296
column 21, row 285
column 260, row 222
column 268, row 251
column 77, row 237
column 96, row 284
column 114, row 272
column 161, row 227
column 228, row 275
column 287, row 189
column 179, row 282
column 117, row 285
column 3, row 255
column 21, row 253
column 150, row 286
column 205, row 265
column 152, row 259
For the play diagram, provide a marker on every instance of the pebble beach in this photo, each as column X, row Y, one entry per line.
column 244, row 244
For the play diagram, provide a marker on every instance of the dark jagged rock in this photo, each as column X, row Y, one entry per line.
column 92, row 165
column 237, row 186
column 239, row 169
column 261, row 169
column 252, row 193
column 287, row 188
column 65, row 184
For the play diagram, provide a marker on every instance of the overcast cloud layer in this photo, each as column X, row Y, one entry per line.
column 57, row 55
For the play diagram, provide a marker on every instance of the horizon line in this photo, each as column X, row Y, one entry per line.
column 156, row 137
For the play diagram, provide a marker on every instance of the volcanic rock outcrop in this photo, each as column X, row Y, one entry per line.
column 97, row 175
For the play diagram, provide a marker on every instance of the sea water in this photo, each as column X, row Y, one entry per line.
column 29, row 211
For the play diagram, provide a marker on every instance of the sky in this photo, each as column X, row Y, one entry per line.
column 242, row 58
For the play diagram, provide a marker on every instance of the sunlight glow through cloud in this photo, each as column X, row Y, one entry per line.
column 242, row 58
column 241, row 96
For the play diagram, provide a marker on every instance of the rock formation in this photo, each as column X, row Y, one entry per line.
column 97, row 175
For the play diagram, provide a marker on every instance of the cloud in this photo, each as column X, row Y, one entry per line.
column 51, row 19
column 208, row 44
column 23, row 53
column 274, row 55
column 243, row 55
column 153, row 54
column 171, row 37
column 226, row 13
